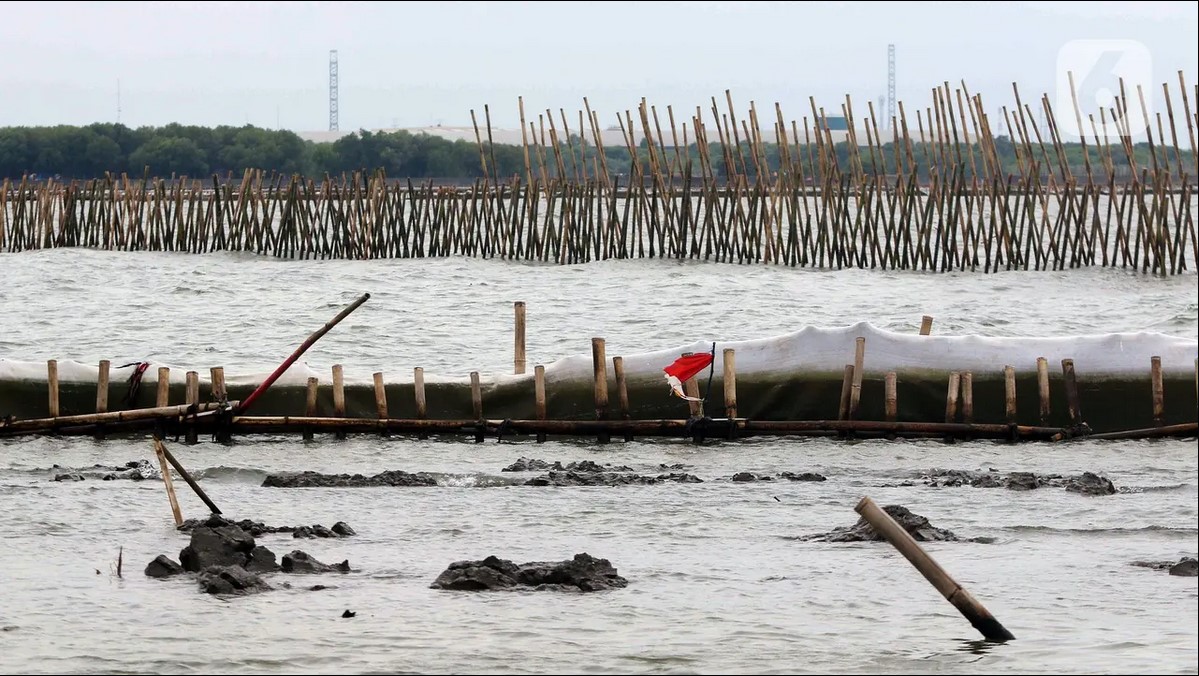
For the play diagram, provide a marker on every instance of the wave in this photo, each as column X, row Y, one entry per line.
column 1156, row 489
column 1153, row 528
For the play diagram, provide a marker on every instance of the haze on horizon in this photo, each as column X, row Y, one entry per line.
column 418, row 64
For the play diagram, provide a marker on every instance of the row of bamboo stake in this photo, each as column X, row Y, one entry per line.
column 959, row 406
column 938, row 200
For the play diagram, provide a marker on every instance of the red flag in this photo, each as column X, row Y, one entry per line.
column 683, row 369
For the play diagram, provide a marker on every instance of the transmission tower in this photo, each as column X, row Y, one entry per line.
column 332, row 90
column 890, row 84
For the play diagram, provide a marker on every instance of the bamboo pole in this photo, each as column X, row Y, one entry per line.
column 418, row 392
column 316, row 335
column 52, row 381
column 1043, row 387
column 951, row 397
column 163, row 395
column 161, row 448
column 192, row 389
column 380, row 397
column 42, row 424
column 519, row 347
column 599, row 363
column 310, row 403
column 729, row 375
column 1009, row 393
column 166, row 480
column 846, row 389
column 539, row 397
column 1072, row 402
column 339, row 392
column 1159, row 403
column 102, row 387
column 622, row 390
column 891, row 397
column 968, row 397
column 476, row 402
column 967, row 605
column 855, row 394
column 217, row 384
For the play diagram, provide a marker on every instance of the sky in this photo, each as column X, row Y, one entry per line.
column 415, row 64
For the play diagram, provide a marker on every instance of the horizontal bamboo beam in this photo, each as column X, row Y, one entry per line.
column 36, row 424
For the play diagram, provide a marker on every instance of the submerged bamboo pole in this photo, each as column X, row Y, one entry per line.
column 967, row 605
column 599, row 363
column 926, row 325
column 622, row 390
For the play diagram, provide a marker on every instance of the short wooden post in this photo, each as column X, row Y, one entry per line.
column 166, row 480
column 926, row 325
column 192, row 388
column 310, row 405
column 967, row 605
column 339, row 397
column 102, row 387
column 102, row 394
column 622, row 392
column 192, row 398
column 968, row 397
column 855, row 394
column 891, row 397
column 1072, row 402
column 539, row 397
column 518, row 362
column 218, row 384
column 846, row 387
column 951, row 397
column 730, row 385
column 163, row 396
column 381, row 402
column 599, row 364
column 476, row 403
column 1159, row 397
column 1043, row 388
column 52, row 381
column 418, row 391
column 1009, row 393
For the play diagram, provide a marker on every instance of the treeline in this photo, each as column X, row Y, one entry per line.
column 67, row 152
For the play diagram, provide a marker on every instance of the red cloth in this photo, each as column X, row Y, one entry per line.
column 684, row 368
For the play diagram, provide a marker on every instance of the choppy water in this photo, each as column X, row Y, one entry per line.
column 717, row 582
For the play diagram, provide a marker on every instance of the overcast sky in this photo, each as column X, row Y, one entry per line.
column 422, row 63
